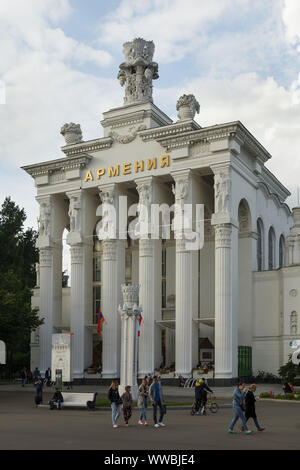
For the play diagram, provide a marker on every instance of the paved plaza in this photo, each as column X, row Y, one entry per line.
column 22, row 426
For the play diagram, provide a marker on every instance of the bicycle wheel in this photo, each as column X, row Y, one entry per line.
column 214, row 407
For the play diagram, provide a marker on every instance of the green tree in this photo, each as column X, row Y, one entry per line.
column 289, row 370
column 18, row 256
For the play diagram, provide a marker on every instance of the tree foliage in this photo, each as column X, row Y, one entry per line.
column 18, row 256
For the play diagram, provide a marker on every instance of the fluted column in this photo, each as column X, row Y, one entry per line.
column 80, row 251
column 185, row 327
column 226, row 276
column 225, row 321
column 110, row 308
column 147, row 301
column 113, row 274
column 184, row 318
column 46, row 306
column 50, row 278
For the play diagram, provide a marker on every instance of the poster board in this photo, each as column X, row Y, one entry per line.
column 61, row 357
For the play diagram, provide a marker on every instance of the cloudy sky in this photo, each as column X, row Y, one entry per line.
column 60, row 58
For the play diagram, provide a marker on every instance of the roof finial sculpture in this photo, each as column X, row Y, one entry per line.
column 138, row 71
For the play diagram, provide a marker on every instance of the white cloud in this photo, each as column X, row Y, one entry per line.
column 173, row 24
column 44, row 90
column 291, row 19
column 269, row 111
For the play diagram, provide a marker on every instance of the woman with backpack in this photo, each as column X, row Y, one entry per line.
column 116, row 402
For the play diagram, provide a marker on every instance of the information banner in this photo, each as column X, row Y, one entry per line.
column 62, row 355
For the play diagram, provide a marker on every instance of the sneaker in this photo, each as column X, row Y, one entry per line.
column 140, row 421
column 231, row 431
column 261, row 429
column 249, row 432
column 146, row 423
column 126, row 424
column 115, row 426
column 161, row 424
column 156, row 425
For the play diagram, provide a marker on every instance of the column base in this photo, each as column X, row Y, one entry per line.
column 108, row 374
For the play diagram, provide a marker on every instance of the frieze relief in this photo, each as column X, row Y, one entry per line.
column 75, row 213
column 44, row 220
column 127, row 138
column 222, row 193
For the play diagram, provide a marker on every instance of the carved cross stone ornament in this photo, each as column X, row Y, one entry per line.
column 138, row 71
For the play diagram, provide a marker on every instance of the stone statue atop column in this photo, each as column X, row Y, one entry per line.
column 138, row 71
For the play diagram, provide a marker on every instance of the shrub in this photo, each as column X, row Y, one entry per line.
column 266, row 395
column 278, row 396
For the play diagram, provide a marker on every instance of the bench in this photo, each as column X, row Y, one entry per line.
column 82, row 400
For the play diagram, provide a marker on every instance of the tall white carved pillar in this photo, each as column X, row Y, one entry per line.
column 148, row 297
column 50, row 279
column 113, row 274
column 129, row 313
column 226, row 277
column 79, row 251
column 147, row 301
column 46, row 306
column 184, row 334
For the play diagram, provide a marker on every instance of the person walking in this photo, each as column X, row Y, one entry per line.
column 39, row 390
column 156, row 397
column 127, row 404
column 116, row 401
column 238, row 397
column 250, row 407
column 57, row 398
column 24, row 376
column 143, row 394
column 48, row 377
column 36, row 373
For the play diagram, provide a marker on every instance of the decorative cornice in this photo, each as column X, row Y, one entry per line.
column 62, row 164
column 89, row 146
column 170, row 131
column 186, row 134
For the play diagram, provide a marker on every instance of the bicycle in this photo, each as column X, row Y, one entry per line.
column 211, row 405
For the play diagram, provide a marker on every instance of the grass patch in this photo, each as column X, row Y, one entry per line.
column 279, row 396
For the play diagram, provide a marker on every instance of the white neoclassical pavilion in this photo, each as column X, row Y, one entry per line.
column 241, row 288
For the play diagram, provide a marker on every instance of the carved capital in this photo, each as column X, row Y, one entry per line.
column 76, row 254
column 130, row 295
column 109, row 250
column 46, row 258
column 223, row 235
column 146, row 247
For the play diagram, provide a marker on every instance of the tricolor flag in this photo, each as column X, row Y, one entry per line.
column 100, row 322
column 140, row 321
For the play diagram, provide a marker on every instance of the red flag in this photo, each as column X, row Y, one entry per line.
column 140, row 321
column 100, row 322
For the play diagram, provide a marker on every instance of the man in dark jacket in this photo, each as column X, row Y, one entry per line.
column 201, row 390
column 250, row 406
column 39, row 390
column 57, row 398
